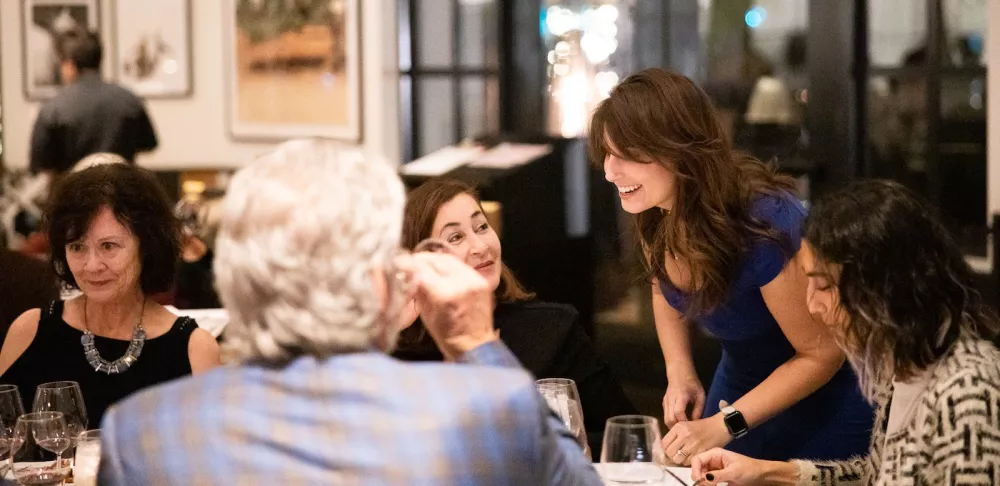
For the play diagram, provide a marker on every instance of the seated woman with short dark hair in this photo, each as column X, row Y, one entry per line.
column 113, row 237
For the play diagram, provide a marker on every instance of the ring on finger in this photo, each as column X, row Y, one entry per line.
column 681, row 453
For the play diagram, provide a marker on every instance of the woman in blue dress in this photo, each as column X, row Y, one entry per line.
column 720, row 232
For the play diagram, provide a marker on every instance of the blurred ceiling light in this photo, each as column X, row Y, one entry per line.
column 562, row 49
column 607, row 13
column 755, row 17
column 573, row 98
column 605, row 82
column 976, row 101
column 560, row 20
column 597, row 48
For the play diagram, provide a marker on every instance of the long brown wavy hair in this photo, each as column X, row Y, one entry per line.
column 422, row 206
column 656, row 116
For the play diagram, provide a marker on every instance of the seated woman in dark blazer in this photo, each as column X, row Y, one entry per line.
column 546, row 337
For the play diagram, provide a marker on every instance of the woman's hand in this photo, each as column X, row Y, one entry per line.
column 683, row 392
column 687, row 439
column 721, row 466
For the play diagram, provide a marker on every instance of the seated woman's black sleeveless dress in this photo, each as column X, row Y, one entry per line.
column 56, row 354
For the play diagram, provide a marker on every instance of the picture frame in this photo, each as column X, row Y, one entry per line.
column 293, row 69
column 153, row 47
column 42, row 21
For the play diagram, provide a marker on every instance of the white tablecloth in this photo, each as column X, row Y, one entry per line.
column 684, row 473
column 211, row 320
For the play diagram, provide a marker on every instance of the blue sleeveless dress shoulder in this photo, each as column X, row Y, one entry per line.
column 833, row 423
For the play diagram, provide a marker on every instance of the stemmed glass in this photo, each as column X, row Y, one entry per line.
column 34, row 433
column 632, row 453
column 431, row 245
column 65, row 397
column 564, row 399
column 11, row 408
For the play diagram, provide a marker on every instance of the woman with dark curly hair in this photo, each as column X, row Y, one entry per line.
column 113, row 237
column 719, row 229
column 892, row 285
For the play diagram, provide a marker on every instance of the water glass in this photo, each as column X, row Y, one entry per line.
column 11, row 408
column 88, row 457
column 39, row 440
column 65, row 397
column 564, row 399
column 632, row 453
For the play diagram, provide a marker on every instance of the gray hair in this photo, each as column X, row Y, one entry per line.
column 303, row 229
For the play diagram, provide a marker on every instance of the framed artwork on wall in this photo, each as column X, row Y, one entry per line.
column 153, row 47
column 42, row 22
column 294, row 69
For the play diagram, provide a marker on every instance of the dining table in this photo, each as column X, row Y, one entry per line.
column 672, row 476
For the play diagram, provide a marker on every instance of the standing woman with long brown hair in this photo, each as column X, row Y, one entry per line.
column 720, row 232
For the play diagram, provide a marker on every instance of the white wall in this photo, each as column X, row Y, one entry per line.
column 993, row 110
column 193, row 131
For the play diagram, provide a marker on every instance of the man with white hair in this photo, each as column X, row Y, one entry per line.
column 309, row 265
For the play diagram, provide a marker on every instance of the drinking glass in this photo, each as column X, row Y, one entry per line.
column 88, row 457
column 564, row 399
column 429, row 245
column 37, row 436
column 632, row 453
column 65, row 397
column 432, row 245
column 11, row 408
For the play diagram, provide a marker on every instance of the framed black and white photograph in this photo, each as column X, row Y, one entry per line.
column 153, row 47
column 43, row 21
column 294, row 68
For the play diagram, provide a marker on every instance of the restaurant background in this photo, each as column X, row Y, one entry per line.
column 832, row 91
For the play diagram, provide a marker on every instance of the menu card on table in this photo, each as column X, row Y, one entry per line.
column 441, row 162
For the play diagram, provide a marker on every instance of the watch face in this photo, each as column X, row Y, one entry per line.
column 736, row 424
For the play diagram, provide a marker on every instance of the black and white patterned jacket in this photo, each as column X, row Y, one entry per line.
column 952, row 438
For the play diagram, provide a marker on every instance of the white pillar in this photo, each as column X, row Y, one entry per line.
column 993, row 108
column 993, row 115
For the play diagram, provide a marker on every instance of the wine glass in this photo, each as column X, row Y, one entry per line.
column 65, row 397
column 88, row 457
column 35, row 434
column 564, row 399
column 11, row 408
column 431, row 245
column 632, row 453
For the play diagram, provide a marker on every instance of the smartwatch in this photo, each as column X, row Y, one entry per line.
column 735, row 422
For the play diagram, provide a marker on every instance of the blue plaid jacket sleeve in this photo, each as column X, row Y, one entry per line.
column 369, row 419
column 564, row 462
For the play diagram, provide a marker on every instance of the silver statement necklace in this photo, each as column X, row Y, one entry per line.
column 121, row 364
